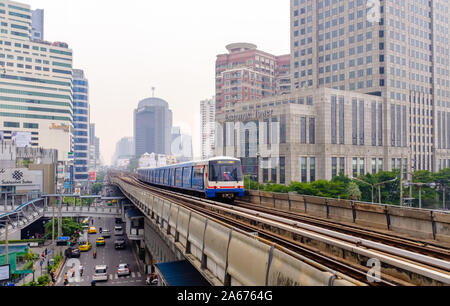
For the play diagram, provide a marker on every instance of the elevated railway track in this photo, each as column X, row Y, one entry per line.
column 350, row 251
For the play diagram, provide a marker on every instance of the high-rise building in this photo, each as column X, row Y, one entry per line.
column 81, row 125
column 398, row 50
column 37, row 25
column 36, row 85
column 248, row 74
column 181, row 145
column 207, row 128
column 152, row 127
column 124, row 149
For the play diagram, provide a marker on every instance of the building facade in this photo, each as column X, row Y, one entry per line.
column 81, row 124
column 398, row 50
column 152, row 127
column 309, row 135
column 36, row 107
column 37, row 25
column 248, row 74
column 207, row 127
column 124, row 149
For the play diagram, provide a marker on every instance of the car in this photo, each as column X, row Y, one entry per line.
column 72, row 253
column 100, row 241
column 85, row 247
column 75, row 253
column 92, row 230
column 123, row 270
column 106, row 233
column 120, row 244
column 118, row 230
column 119, row 221
column 100, row 273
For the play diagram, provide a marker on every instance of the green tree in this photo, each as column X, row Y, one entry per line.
column 69, row 228
column 96, row 188
column 353, row 191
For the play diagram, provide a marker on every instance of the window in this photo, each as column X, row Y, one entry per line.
column 282, row 170
column 312, row 130
column 362, row 166
column 333, row 120
column 303, row 130
column 333, row 167
column 11, row 124
column 304, row 170
column 355, row 122
column 361, row 123
column 355, row 167
column 312, row 169
column 342, row 166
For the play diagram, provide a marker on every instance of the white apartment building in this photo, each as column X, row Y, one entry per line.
column 36, row 107
column 207, row 113
column 397, row 50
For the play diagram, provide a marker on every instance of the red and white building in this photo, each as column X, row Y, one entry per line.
column 246, row 74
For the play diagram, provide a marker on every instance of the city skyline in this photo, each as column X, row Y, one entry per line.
column 97, row 46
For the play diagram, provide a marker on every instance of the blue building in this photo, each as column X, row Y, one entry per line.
column 81, row 126
column 37, row 24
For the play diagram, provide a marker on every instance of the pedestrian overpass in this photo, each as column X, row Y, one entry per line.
column 18, row 218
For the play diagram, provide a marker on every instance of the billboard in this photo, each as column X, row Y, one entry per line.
column 5, row 272
column 22, row 139
column 19, row 177
column 92, row 176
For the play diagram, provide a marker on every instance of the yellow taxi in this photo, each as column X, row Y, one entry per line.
column 92, row 230
column 100, row 241
column 85, row 247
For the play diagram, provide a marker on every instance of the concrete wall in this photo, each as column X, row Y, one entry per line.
column 417, row 223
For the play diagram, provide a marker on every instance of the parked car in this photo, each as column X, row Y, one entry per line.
column 123, row 270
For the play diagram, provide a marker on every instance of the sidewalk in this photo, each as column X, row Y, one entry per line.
column 39, row 271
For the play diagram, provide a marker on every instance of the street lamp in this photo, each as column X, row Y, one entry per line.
column 375, row 185
column 420, row 186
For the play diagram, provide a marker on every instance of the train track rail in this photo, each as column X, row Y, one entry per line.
column 341, row 248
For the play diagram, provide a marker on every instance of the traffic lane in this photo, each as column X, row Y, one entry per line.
column 107, row 255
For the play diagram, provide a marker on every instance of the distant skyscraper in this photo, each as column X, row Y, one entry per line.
column 124, row 149
column 248, row 74
column 152, row 127
column 81, row 125
column 181, row 145
column 207, row 137
column 398, row 50
column 37, row 24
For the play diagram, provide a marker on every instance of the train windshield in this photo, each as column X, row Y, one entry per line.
column 225, row 171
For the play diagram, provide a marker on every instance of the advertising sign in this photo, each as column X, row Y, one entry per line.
column 4, row 272
column 22, row 139
column 92, row 175
column 17, row 177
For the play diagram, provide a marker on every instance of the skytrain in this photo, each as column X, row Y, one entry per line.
column 215, row 178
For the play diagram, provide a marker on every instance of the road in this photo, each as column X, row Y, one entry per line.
column 106, row 255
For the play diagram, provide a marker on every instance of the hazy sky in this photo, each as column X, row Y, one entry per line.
column 126, row 47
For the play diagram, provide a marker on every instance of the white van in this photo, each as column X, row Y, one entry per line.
column 100, row 273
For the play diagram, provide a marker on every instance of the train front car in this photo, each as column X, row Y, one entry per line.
column 225, row 179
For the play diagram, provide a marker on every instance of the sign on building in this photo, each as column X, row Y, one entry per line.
column 93, row 176
column 22, row 139
column 20, row 177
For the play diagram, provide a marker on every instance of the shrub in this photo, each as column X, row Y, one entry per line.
column 44, row 280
